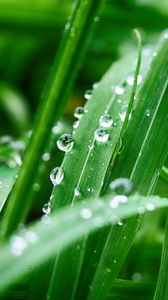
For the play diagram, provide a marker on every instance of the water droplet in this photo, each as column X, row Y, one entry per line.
column 57, row 128
column 47, row 208
column 85, row 213
column 77, row 192
column 67, row 26
column 98, row 222
column 136, row 276
column 31, row 237
column 79, row 111
column 114, row 261
column 130, row 79
column 148, row 113
column 106, row 121
column 122, row 115
column 165, row 34
column 56, row 175
column 101, row 135
column 141, row 210
column 88, row 94
column 18, row 245
column 119, row 90
column 36, row 187
column 46, row 156
column 150, row 206
column 117, row 200
column 122, row 186
column 76, row 124
column 154, row 53
column 96, row 19
column 119, row 100
column 96, row 85
column 73, row 32
column 65, row 142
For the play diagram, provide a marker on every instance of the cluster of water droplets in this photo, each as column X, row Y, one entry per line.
column 19, row 243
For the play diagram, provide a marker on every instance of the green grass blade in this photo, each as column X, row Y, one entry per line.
column 36, row 243
column 131, row 290
column 64, row 70
column 140, row 160
column 7, row 179
column 82, row 163
column 161, row 292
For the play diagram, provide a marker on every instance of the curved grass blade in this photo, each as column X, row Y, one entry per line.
column 140, row 160
column 131, row 290
column 50, row 234
column 161, row 291
column 63, row 72
column 87, row 158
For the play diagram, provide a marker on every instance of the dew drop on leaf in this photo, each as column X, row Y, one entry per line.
column 46, row 156
column 106, row 120
column 119, row 90
column 18, row 245
column 65, row 142
column 77, row 192
column 101, row 135
column 47, row 208
column 150, row 206
column 88, row 94
column 56, row 175
column 122, row 186
column 79, row 111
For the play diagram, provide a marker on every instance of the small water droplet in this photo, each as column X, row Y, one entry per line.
column 31, row 236
column 114, row 261
column 46, row 156
column 6, row 139
column 79, row 111
column 47, row 208
column 165, row 34
column 77, row 192
column 122, row 115
column 122, row 186
column 106, row 120
column 57, row 128
column 96, row 19
column 148, row 113
column 65, row 142
column 130, row 79
column 141, row 210
column 73, row 32
column 85, row 213
column 56, row 175
column 101, row 135
column 18, row 245
column 36, row 187
column 76, row 124
column 136, row 276
column 119, row 90
column 150, row 206
column 88, row 94
column 95, row 85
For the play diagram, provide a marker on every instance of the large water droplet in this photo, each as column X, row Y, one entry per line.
column 119, row 90
column 65, row 142
column 106, row 121
column 47, row 208
column 56, row 175
column 122, row 186
column 79, row 111
column 88, row 94
column 150, row 206
column 101, row 135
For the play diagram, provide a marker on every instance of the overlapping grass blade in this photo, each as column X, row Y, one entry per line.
column 131, row 290
column 162, row 287
column 36, row 243
column 140, row 160
column 52, row 104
